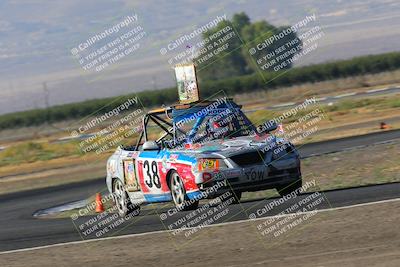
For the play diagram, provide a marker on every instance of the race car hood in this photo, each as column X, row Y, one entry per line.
column 234, row 146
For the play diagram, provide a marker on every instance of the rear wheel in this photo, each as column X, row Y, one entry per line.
column 122, row 201
column 179, row 196
column 290, row 187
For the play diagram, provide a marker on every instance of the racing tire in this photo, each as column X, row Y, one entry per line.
column 122, row 201
column 179, row 196
column 287, row 189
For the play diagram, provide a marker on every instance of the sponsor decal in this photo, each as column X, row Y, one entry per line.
column 130, row 176
column 208, row 164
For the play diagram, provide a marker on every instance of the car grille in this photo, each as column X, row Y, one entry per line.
column 250, row 158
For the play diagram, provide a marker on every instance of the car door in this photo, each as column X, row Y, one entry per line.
column 128, row 160
column 152, row 173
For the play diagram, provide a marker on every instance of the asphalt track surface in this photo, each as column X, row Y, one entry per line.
column 18, row 229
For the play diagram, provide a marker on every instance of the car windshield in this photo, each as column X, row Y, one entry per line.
column 216, row 124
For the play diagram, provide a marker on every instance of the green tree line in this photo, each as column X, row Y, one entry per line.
column 235, row 60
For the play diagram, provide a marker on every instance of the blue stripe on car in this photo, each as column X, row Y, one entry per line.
column 193, row 195
column 158, row 197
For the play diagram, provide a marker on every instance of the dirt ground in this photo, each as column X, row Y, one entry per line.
column 370, row 165
column 358, row 236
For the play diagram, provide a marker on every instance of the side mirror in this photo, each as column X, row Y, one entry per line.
column 150, row 145
column 267, row 127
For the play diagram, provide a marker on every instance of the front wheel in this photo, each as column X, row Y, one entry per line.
column 122, row 201
column 290, row 187
column 178, row 192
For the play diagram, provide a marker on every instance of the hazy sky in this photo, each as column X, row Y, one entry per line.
column 36, row 38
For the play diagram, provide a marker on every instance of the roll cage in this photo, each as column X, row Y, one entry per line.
column 164, row 118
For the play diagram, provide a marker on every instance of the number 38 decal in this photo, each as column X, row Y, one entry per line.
column 151, row 177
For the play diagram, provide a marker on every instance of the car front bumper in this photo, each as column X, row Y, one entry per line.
column 254, row 178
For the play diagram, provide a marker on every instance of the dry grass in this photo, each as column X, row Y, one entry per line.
column 320, row 89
